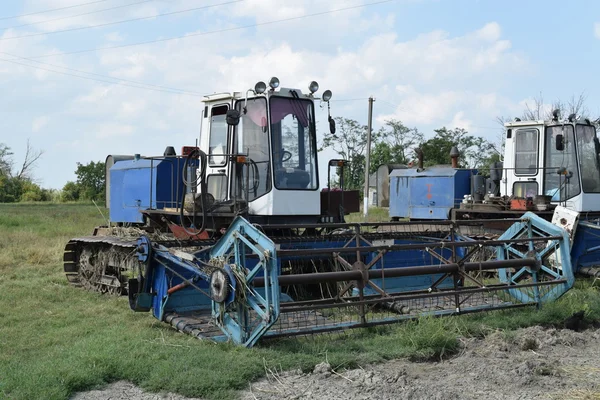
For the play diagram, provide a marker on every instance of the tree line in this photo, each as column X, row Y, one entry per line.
column 18, row 184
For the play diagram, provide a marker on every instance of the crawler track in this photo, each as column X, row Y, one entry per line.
column 100, row 263
column 104, row 263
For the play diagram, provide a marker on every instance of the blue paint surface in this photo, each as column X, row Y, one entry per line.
column 429, row 194
column 585, row 251
column 143, row 184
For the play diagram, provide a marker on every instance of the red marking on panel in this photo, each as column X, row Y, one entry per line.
column 429, row 195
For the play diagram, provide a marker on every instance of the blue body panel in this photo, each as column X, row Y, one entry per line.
column 429, row 194
column 585, row 251
column 143, row 184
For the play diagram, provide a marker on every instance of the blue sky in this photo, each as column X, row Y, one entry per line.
column 428, row 63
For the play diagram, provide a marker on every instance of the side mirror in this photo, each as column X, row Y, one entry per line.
column 560, row 142
column 233, row 117
column 331, row 125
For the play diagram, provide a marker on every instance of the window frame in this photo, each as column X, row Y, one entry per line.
column 524, row 183
column 576, row 157
column 235, row 144
column 224, row 187
column 210, row 135
column 313, row 143
column 537, row 151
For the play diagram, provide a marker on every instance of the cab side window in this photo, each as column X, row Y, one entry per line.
column 217, row 147
column 526, row 151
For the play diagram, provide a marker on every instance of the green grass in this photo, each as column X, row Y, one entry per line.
column 56, row 339
column 375, row 214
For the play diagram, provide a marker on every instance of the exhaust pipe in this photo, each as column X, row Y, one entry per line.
column 419, row 159
column 454, row 156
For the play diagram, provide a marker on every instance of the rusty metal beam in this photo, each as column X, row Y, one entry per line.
column 356, row 275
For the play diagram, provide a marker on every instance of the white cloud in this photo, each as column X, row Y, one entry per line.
column 459, row 121
column 597, row 30
column 39, row 123
column 425, row 108
column 112, row 130
column 490, row 32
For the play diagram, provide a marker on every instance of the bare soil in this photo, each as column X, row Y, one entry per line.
column 532, row 363
column 122, row 390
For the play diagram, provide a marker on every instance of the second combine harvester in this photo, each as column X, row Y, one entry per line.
column 234, row 239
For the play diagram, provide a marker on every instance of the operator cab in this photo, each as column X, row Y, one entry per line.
column 558, row 159
column 262, row 150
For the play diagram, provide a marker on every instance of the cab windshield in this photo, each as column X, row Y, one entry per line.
column 587, row 151
column 561, row 172
column 294, row 143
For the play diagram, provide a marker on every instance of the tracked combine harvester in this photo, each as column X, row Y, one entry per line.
column 234, row 240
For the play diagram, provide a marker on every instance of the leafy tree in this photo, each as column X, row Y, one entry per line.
column 350, row 141
column 70, row 192
column 396, row 144
column 473, row 150
column 14, row 184
column 381, row 154
column 33, row 192
column 6, row 162
column 11, row 189
column 402, row 139
column 91, row 180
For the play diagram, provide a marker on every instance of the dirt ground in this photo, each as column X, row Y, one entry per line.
column 125, row 391
column 532, row 363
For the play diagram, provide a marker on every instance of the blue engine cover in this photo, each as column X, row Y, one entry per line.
column 144, row 184
column 429, row 194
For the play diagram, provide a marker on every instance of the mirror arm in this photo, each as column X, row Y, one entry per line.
column 246, row 99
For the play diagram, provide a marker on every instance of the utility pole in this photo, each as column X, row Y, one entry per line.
column 367, row 158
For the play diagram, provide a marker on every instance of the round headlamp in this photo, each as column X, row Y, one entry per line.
column 260, row 87
column 274, row 83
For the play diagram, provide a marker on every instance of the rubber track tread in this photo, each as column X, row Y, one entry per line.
column 74, row 246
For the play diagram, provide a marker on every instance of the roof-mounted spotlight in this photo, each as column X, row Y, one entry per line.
column 572, row 117
column 274, row 83
column 517, row 119
column 260, row 87
column 327, row 95
column 555, row 115
column 313, row 87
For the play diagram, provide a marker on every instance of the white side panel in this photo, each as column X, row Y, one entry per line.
column 287, row 202
column 566, row 219
column 590, row 202
column 508, row 173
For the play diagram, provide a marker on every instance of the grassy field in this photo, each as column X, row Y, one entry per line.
column 56, row 339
